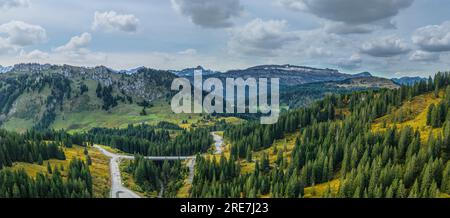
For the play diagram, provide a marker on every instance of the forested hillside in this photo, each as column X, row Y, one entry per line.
column 19, row 148
column 18, row 184
column 50, row 164
column 337, row 144
column 151, row 141
column 155, row 178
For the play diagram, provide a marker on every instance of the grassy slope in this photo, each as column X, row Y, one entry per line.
column 120, row 117
column 317, row 191
column 86, row 113
column 25, row 108
column 185, row 190
column 125, row 114
column 99, row 168
column 417, row 119
column 288, row 141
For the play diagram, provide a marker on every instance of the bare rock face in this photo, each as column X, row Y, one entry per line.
column 369, row 82
column 41, row 92
column 146, row 84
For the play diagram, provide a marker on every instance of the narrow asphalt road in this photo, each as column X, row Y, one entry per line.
column 117, row 188
column 218, row 142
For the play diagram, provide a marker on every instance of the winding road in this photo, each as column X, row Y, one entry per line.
column 218, row 142
column 117, row 188
column 120, row 191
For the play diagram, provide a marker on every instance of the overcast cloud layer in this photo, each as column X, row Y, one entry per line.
column 386, row 37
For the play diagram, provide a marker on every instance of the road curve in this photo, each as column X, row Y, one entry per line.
column 218, row 142
column 117, row 188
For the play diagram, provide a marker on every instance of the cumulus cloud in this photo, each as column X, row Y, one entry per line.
column 111, row 20
column 207, row 13
column 22, row 34
column 433, row 38
column 77, row 51
column 76, row 44
column 262, row 38
column 424, row 56
column 385, row 47
column 7, row 4
column 351, row 16
column 350, row 11
column 35, row 55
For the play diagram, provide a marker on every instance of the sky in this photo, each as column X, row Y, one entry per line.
column 389, row 38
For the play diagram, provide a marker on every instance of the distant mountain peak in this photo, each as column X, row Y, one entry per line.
column 131, row 71
column 363, row 74
column 5, row 69
column 189, row 72
column 200, row 67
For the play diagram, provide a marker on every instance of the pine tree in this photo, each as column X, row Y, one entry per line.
column 143, row 112
column 49, row 168
column 40, row 160
column 88, row 160
column 429, row 114
column 445, row 185
column 249, row 155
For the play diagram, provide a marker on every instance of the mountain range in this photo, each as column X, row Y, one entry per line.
column 37, row 96
column 289, row 75
column 64, row 96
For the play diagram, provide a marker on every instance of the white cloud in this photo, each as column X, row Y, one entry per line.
column 36, row 55
column 261, row 38
column 189, row 51
column 207, row 13
column 433, row 38
column 76, row 50
column 111, row 20
column 7, row 4
column 385, row 47
column 424, row 56
column 22, row 34
column 76, row 44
